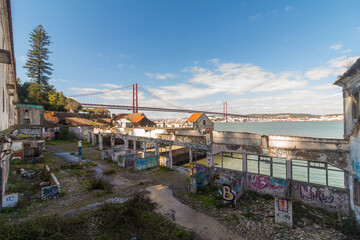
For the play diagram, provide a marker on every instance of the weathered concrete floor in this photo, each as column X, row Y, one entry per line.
column 205, row 226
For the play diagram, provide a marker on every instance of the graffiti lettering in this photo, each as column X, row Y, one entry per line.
column 262, row 182
column 142, row 164
column 228, row 193
column 50, row 192
column 283, row 211
column 195, row 168
column 200, row 179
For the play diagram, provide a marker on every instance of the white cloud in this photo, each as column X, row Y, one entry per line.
column 325, row 87
column 161, row 76
column 346, row 51
column 110, row 85
column 336, row 47
column 340, row 64
column 288, row 8
column 318, row 73
column 254, row 17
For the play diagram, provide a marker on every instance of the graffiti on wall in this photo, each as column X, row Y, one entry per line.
column 10, row 200
column 223, row 178
column 150, row 162
column 228, row 194
column 283, row 211
column 50, row 192
column 195, row 168
column 266, row 184
column 355, row 165
column 321, row 196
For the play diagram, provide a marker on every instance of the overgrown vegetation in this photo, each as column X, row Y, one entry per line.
column 135, row 219
column 109, row 171
column 66, row 135
column 99, row 182
column 209, row 196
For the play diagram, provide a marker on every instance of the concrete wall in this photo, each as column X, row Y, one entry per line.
column 355, row 171
column 30, row 114
column 8, row 94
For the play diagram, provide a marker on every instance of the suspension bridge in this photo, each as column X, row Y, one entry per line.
column 121, row 98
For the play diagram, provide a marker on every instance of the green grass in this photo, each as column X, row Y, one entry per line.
column 135, row 218
column 209, row 196
column 163, row 169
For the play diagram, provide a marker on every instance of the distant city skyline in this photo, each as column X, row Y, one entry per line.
column 260, row 57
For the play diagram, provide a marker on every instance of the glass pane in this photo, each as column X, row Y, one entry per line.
column 252, row 166
column 299, row 162
column 318, row 176
column 237, row 155
column 252, row 157
column 265, row 158
column 227, row 154
column 265, row 168
column 217, row 160
column 299, row 173
column 336, row 179
column 279, row 160
column 316, row 164
column 279, row 170
column 331, row 167
column 232, row 163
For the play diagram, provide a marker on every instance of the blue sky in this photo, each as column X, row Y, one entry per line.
column 259, row 56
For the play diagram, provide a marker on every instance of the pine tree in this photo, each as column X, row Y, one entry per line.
column 38, row 65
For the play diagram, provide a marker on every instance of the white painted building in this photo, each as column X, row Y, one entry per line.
column 350, row 82
column 8, row 94
column 200, row 122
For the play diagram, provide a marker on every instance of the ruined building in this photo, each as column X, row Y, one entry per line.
column 350, row 83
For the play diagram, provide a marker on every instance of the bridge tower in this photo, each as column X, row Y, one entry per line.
column 135, row 98
column 225, row 111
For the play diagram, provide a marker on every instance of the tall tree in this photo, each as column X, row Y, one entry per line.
column 38, row 65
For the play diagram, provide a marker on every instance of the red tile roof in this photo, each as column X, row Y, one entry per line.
column 50, row 117
column 137, row 119
column 74, row 121
column 194, row 117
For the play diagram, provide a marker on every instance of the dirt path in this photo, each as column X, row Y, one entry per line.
column 204, row 225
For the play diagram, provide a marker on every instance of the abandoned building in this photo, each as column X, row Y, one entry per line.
column 8, row 93
column 350, row 83
column 201, row 122
column 132, row 120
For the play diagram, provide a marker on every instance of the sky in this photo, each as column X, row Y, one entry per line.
column 260, row 56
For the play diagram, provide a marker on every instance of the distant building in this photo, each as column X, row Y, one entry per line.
column 200, row 121
column 8, row 93
column 132, row 120
column 30, row 115
column 350, row 82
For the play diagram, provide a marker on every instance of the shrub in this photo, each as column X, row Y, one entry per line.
column 66, row 134
column 99, row 182
column 109, row 171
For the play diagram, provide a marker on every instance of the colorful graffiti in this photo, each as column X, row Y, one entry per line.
column 355, row 165
column 143, row 164
column 283, row 211
column 228, row 194
column 322, row 195
column 48, row 135
column 195, row 168
column 50, row 192
column 223, row 178
column 266, row 184
column 200, row 179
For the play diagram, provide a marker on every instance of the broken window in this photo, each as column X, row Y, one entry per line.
column 279, row 167
column 232, row 161
column 252, row 163
column 356, row 192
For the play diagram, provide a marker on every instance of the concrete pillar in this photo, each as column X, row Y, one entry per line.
column 288, row 168
column 126, row 143
column 93, row 139
column 156, row 149
column 144, row 149
column 112, row 141
column 170, row 156
column 88, row 135
column 210, row 158
column 134, row 147
column 190, row 155
column 244, row 163
column 100, row 142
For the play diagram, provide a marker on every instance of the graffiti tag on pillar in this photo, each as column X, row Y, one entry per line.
column 228, row 193
column 200, row 179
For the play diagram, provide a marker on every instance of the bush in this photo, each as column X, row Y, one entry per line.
column 66, row 134
column 109, row 171
column 100, row 182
